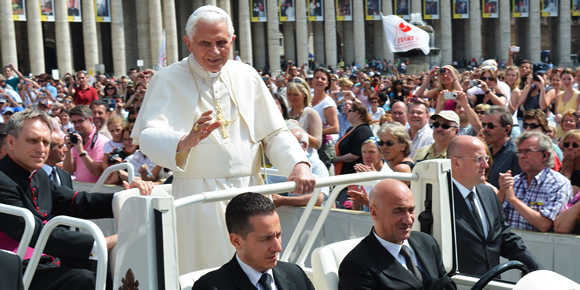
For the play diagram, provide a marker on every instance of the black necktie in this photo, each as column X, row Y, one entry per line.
column 266, row 281
column 54, row 177
column 474, row 210
column 410, row 264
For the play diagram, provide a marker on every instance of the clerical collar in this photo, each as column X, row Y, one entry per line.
column 211, row 75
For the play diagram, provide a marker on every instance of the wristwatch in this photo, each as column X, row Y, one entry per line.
column 488, row 91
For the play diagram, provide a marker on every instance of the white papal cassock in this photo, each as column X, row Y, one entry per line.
column 171, row 107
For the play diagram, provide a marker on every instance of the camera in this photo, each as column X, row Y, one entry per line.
column 450, row 96
column 264, row 78
column 473, row 83
column 442, row 70
column 119, row 152
column 536, row 78
column 73, row 139
column 339, row 94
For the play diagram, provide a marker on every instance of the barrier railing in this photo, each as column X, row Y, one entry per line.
column 113, row 168
column 101, row 248
column 28, row 226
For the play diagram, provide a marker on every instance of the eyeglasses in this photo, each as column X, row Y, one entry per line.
column 527, row 152
column 489, row 125
column 444, row 126
column 487, row 78
column 479, row 159
column 374, row 102
column 351, row 110
column 333, row 80
column 480, row 112
column 574, row 145
column 532, row 126
column 78, row 121
column 387, row 143
column 67, row 101
column 41, row 81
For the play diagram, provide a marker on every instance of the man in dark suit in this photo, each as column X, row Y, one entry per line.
column 391, row 256
column 255, row 232
column 482, row 233
column 56, row 155
column 68, row 257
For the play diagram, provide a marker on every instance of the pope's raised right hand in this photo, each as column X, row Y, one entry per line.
column 200, row 130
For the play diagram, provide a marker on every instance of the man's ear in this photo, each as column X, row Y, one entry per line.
column 10, row 141
column 236, row 241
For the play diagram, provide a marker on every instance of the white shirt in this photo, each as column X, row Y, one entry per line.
column 395, row 249
column 464, row 192
column 48, row 171
column 423, row 137
column 255, row 275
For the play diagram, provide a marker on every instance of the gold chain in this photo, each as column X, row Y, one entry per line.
column 219, row 111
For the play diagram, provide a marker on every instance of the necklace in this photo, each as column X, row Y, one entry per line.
column 220, row 113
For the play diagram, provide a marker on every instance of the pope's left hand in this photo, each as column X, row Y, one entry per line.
column 146, row 187
column 305, row 180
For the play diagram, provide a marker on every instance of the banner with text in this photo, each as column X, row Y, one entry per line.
column 431, row 9
column 286, row 10
column 549, row 8
column 315, row 10
column 520, row 8
column 403, row 9
column 258, row 10
column 460, row 9
column 47, row 10
column 74, row 11
column 103, row 11
column 402, row 36
column 373, row 9
column 18, row 10
column 490, row 8
column 344, row 10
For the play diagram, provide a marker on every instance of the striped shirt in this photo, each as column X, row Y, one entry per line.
column 548, row 193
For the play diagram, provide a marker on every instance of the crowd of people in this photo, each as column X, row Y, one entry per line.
column 93, row 117
column 411, row 118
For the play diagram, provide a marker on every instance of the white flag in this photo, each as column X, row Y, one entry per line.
column 161, row 64
column 402, row 36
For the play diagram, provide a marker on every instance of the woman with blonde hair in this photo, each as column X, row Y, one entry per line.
column 567, row 99
column 395, row 146
column 300, row 102
column 448, row 80
column 567, row 220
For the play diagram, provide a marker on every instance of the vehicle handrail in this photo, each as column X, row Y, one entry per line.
column 271, row 171
column 112, row 168
column 228, row 194
column 28, row 226
column 101, row 248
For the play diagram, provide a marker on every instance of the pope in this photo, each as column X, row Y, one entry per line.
column 209, row 120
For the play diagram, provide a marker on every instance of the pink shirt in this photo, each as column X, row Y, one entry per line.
column 82, row 173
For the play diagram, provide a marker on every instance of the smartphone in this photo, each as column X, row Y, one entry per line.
column 515, row 49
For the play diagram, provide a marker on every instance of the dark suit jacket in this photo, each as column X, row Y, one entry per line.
column 45, row 200
column 64, row 177
column 477, row 254
column 370, row 266
column 231, row 276
column 10, row 271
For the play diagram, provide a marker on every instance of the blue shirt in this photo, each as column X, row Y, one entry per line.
column 51, row 89
column 548, row 194
column 503, row 160
column 343, row 125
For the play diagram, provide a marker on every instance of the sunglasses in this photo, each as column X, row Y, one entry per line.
column 489, row 125
column 445, row 126
column 296, row 80
column 487, row 78
column 351, row 110
column 574, row 145
column 110, row 88
column 388, row 143
column 480, row 112
column 532, row 126
column 67, row 101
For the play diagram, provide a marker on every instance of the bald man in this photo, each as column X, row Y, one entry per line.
column 391, row 256
column 483, row 235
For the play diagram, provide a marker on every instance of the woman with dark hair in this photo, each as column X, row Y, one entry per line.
column 348, row 149
column 492, row 93
column 567, row 220
column 281, row 105
column 110, row 91
column 326, row 108
column 399, row 92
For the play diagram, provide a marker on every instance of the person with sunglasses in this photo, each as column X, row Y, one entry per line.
column 497, row 125
column 533, row 198
column 469, row 122
column 535, row 121
column 395, row 147
column 488, row 91
column 445, row 128
column 567, row 220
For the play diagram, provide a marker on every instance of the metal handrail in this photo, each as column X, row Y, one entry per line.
column 365, row 178
column 101, row 248
column 112, row 168
column 28, row 226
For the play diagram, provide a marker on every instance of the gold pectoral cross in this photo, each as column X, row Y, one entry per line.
column 220, row 117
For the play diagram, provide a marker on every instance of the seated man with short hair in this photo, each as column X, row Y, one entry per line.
column 392, row 256
column 255, row 232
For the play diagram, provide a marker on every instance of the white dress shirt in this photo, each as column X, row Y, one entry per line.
column 255, row 275
column 395, row 250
